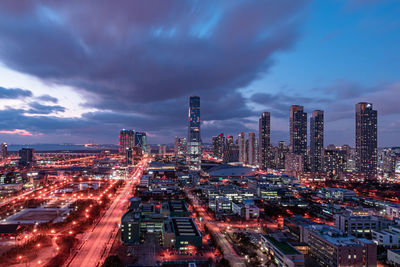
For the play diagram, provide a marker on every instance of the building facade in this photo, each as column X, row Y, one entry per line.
column 298, row 132
column 316, row 140
column 264, row 125
column 194, row 137
column 366, row 139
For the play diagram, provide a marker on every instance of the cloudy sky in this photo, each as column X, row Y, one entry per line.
column 78, row 71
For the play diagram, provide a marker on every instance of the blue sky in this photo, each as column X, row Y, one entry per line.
column 79, row 71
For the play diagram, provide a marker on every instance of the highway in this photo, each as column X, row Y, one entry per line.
column 97, row 243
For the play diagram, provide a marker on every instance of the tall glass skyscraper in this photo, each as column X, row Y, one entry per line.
column 141, row 140
column 126, row 140
column 316, row 140
column 264, row 125
column 366, row 139
column 194, row 138
column 298, row 132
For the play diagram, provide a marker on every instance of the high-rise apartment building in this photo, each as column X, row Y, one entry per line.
column 279, row 156
column 3, row 150
column 218, row 143
column 194, row 137
column 316, row 140
column 126, row 140
column 366, row 139
column 231, row 152
column 298, row 132
column 264, row 125
column 242, row 147
column 180, row 146
column 252, row 149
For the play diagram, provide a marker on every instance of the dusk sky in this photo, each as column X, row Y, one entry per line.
column 79, row 71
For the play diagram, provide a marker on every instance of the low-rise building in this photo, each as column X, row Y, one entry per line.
column 387, row 238
column 247, row 210
column 393, row 257
column 331, row 247
column 282, row 253
column 360, row 223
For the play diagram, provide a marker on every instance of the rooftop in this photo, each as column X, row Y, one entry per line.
column 284, row 247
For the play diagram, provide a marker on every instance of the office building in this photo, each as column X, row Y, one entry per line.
column 360, row 223
column 298, row 132
column 180, row 146
column 141, row 140
column 366, row 139
column 316, row 140
column 26, row 156
column 264, row 125
column 194, row 137
column 129, row 156
column 331, row 247
column 4, row 150
column 282, row 253
column 126, row 140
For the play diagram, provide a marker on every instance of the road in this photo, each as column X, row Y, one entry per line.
column 96, row 244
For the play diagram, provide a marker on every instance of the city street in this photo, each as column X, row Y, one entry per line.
column 97, row 243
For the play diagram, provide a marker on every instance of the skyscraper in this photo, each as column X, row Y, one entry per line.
column 242, row 147
column 316, row 140
column 194, row 137
column 298, row 132
column 141, row 140
column 4, row 150
column 219, row 146
column 366, row 139
column 264, row 125
column 126, row 140
column 252, row 149
column 180, row 146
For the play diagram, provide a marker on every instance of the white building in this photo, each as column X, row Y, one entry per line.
column 387, row 238
column 393, row 256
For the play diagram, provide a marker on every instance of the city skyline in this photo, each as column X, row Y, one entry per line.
column 288, row 58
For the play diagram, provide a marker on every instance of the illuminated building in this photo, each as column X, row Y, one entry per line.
column 264, row 125
column 279, row 156
column 242, row 147
column 294, row 163
column 162, row 150
column 316, row 140
column 26, row 157
column 180, row 146
column 335, row 161
column 251, row 147
column 218, row 143
column 194, row 137
column 282, row 253
column 141, row 140
column 231, row 153
column 331, row 247
column 126, row 140
column 298, row 132
column 3, row 150
column 366, row 139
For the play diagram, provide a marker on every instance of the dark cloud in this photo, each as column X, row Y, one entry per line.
column 37, row 108
column 13, row 93
column 48, row 98
column 134, row 52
